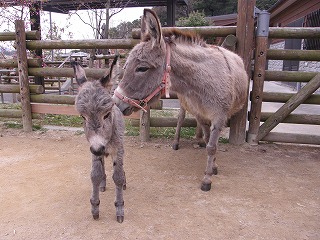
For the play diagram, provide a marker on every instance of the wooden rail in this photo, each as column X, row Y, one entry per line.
column 212, row 31
column 13, row 63
column 295, row 118
column 10, row 88
column 11, row 36
column 64, row 72
column 289, row 76
column 82, row 44
column 284, row 97
column 292, row 54
column 294, row 32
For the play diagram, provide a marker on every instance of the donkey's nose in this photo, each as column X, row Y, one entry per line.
column 98, row 151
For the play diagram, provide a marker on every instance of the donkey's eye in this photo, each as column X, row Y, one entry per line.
column 142, row 69
column 84, row 118
column 106, row 116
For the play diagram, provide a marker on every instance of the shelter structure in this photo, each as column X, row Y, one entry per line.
column 64, row 6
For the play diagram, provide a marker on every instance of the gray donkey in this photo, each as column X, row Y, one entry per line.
column 104, row 129
column 211, row 81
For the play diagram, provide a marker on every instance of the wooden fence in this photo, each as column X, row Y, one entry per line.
column 35, row 102
column 256, row 132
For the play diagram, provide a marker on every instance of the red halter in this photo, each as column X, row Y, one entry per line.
column 163, row 88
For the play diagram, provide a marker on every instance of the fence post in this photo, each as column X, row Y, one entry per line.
column 23, row 75
column 245, row 35
column 258, row 75
column 145, row 125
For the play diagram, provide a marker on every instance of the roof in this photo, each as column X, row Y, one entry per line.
column 284, row 12
column 224, row 20
column 64, row 6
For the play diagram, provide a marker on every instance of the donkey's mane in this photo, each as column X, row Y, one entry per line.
column 175, row 35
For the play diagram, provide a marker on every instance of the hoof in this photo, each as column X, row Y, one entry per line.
column 120, row 219
column 102, row 189
column 202, row 144
column 95, row 216
column 205, row 187
column 175, row 146
column 215, row 171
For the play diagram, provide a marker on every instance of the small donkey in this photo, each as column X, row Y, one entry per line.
column 104, row 129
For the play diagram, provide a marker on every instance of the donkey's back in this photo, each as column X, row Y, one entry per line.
column 216, row 86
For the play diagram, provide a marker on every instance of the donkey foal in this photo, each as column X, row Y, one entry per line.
column 104, row 130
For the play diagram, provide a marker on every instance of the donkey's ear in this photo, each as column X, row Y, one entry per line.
column 106, row 79
column 151, row 27
column 79, row 73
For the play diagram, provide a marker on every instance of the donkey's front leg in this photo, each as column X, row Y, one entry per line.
column 119, row 179
column 97, row 176
column 211, row 151
column 176, row 139
column 103, row 182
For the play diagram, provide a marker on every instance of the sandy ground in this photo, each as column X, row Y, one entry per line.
column 268, row 191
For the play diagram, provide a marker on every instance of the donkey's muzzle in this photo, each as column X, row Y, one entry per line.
column 97, row 151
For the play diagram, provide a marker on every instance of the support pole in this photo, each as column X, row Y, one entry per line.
column 171, row 13
column 23, row 75
column 245, row 36
column 35, row 25
column 289, row 106
column 258, row 75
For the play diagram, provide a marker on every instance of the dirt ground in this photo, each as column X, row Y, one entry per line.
column 270, row 191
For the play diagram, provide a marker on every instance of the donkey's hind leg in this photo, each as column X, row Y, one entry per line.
column 97, row 176
column 203, row 132
column 211, row 151
column 181, row 117
column 119, row 179
column 199, row 135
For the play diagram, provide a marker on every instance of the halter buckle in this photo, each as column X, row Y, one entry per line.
column 142, row 103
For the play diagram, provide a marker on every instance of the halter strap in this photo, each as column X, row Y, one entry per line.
column 163, row 88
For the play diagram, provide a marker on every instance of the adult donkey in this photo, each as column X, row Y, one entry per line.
column 211, row 81
column 104, row 130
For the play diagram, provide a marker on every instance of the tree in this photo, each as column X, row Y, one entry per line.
column 222, row 7
column 265, row 4
column 215, row 7
column 181, row 11
column 99, row 18
column 195, row 19
column 124, row 29
column 9, row 13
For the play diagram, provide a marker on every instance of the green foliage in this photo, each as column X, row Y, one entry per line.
column 223, row 140
column 15, row 125
column 10, row 106
column 216, row 7
column 63, row 120
column 181, row 11
column 124, row 29
column 18, row 125
column 195, row 19
column 265, row 4
column 222, row 7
